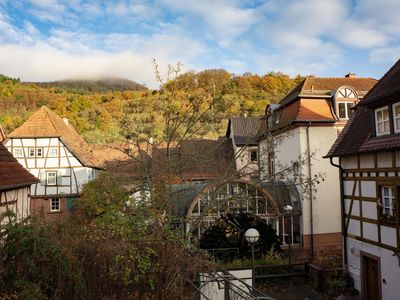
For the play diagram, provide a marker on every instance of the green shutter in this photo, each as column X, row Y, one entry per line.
column 70, row 203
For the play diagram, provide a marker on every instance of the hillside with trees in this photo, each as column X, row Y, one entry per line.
column 103, row 110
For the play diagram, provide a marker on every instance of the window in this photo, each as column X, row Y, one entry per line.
column 39, row 152
column 55, row 204
column 271, row 164
column 51, row 178
column 253, row 156
column 396, row 117
column 35, row 152
column 92, row 173
column 53, row 152
column 387, row 204
column 344, row 110
column 382, row 121
column 18, row 152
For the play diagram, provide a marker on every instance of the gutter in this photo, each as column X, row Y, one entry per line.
column 342, row 207
column 311, row 191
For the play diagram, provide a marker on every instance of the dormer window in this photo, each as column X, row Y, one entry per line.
column 382, row 121
column 346, row 98
column 344, row 109
column 396, row 117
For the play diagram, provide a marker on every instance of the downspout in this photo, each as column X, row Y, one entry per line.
column 342, row 207
column 311, row 191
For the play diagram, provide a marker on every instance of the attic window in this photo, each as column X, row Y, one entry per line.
column 396, row 117
column 382, row 120
column 344, row 109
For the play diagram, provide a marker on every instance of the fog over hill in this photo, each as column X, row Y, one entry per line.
column 95, row 85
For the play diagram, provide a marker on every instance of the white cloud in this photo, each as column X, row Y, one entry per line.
column 383, row 55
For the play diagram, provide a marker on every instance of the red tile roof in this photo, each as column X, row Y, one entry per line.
column 324, row 87
column 13, row 174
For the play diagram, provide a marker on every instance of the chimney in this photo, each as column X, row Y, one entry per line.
column 65, row 121
column 350, row 75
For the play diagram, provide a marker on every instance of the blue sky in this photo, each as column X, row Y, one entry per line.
column 43, row 40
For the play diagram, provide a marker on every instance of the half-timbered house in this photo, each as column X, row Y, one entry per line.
column 50, row 149
column 369, row 161
column 295, row 135
column 15, row 182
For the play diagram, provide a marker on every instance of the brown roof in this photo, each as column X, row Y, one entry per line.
column 2, row 134
column 12, row 174
column 323, row 87
column 46, row 123
column 357, row 136
column 196, row 160
column 244, row 130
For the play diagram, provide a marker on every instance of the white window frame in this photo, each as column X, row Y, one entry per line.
column 388, row 206
column 49, row 179
column 383, row 121
column 57, row 204
column 39, row 152
column 31, row 152
column 346, row 109
column 19, row 149
column 53, row 152
column 396, row 130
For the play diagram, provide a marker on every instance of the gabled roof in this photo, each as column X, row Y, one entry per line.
column 46, row 123
column 12, row 174
column 244, row 130
column 357, row 136
column 323, row 87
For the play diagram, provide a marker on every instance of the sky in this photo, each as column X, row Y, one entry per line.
column 46, row 40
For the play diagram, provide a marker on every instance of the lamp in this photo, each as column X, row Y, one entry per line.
column 252, row 236
column 288, row 211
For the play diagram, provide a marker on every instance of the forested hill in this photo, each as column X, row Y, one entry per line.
column 101, row 114
column 101, row 85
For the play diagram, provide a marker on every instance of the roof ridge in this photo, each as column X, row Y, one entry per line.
column 47, row 110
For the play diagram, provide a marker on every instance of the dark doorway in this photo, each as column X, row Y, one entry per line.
column 371, row 277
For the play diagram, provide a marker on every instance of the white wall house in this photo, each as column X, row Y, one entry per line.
column 50, row 149
column 296, row 134
column 15, row 182
column 369, row 162
column 242, row 132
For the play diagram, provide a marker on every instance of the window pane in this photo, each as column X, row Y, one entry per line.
column 349, row 111
column 342, row 110
column 397, row 124
column 386, row 191
column 380, row 127
column 385, row 114
column 379, row 116
column 386, row 126
column 397, row 111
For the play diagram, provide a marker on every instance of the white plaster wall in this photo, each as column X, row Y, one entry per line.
column 368, row 188
column 390, row 269
column 388, row 236
column 355, row 210
column 326, row 200
column 243, row 160
column 369, row 210
column 370, row 231
column 73, row 175
column 291, row 146
column 384, row 160
column 366, row 161
column 349, row 162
